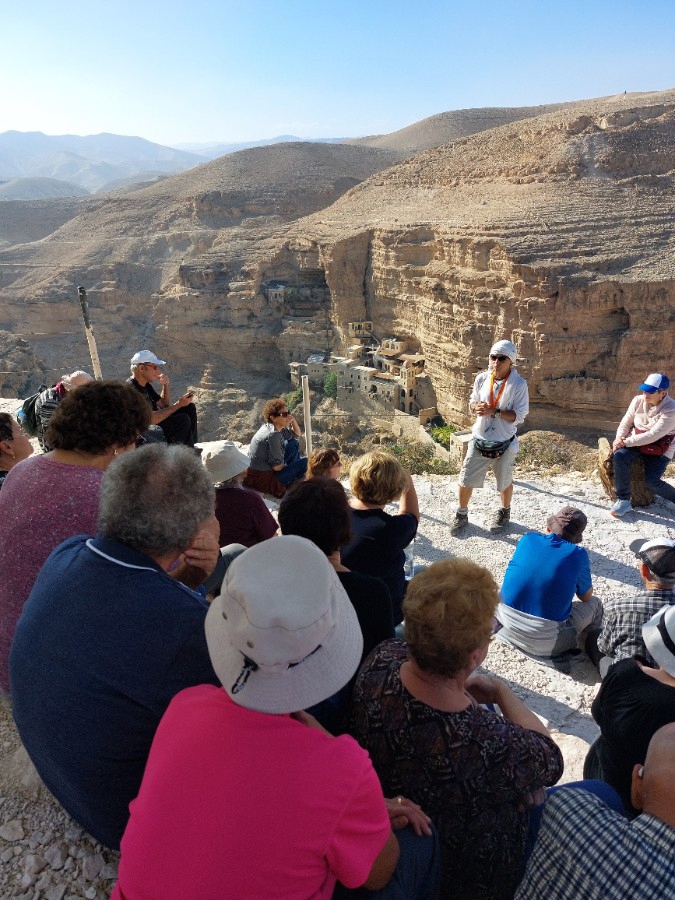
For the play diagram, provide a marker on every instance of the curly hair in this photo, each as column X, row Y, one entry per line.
column 448, row 610
column 321, row 461
column 273, row 408
column 6, row 427
column 317, row 509
column 377, row 477
column 97, row 416
column 155, row 499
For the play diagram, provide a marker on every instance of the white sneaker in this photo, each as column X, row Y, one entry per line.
column 620, row 507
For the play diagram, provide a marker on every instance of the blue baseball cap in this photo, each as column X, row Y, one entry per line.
column 655, row 382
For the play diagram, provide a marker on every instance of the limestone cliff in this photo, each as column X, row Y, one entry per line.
column 556, row 231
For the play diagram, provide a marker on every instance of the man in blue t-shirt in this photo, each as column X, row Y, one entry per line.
column 538, row 612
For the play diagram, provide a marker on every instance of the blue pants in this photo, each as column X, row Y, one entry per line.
column 601, row 790
column 655, row 466
column 417, row 874
column 295, row 466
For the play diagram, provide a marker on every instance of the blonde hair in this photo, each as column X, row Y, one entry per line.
column 377, row 477
column 448, row 612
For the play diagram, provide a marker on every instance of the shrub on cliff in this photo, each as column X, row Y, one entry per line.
column 330, row 382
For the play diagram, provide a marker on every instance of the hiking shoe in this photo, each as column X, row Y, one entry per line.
column 620, row 507
column 500, row 521
column 459, row 523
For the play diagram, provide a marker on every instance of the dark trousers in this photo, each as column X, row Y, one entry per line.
column 181, row 426
column 417, row 874
column 655, row 466
column 295, row 465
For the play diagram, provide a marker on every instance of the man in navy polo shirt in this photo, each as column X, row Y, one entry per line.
column 108, row 637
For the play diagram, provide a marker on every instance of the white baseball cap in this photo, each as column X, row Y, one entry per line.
column 655, row 382
column 146, row 356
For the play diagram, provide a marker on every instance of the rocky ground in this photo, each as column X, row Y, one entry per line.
column 46, row 855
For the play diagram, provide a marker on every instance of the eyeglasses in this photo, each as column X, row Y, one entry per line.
column 498, row 358
column 284, row 412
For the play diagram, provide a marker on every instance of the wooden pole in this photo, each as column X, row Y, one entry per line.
column 307, row 414
column 91, row 341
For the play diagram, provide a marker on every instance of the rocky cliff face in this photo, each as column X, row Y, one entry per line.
column 556, row 231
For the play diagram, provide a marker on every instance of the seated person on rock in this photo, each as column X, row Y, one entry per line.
column 243, row 518
column 537, row 610
column 324, row 462
column 620, row 636
column 15, row 445
column 177, row 421
column 244, row 794
column 634, row 701
column 379, row 538
column 418, row 711
column 53, row 496
column 275, row 460
column 317, row 509
column 587, row 850
column 107, row 637
column 49, row 399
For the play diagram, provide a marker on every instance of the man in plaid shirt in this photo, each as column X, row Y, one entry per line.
column 621, row 633
column 585, row 850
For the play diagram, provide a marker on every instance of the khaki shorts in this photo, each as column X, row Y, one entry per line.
column 475, row 466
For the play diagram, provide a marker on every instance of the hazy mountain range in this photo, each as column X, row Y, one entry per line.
column 36, row 166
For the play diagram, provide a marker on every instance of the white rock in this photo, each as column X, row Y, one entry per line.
column 55, row 892
column 12, row 831
column 92, row 865
column 56, row 855
column 33, row 865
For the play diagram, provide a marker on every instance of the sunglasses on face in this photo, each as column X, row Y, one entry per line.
column 284, row 412
column 498, row 358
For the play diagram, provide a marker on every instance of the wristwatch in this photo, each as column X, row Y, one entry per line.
column 498, row 413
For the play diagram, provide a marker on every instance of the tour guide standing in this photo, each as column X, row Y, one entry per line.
column 500, row 402
column 647, row 431
column 178, row 420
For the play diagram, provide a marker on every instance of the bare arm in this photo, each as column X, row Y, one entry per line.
column 384, row 865
column 486, row 689
column 409, row 502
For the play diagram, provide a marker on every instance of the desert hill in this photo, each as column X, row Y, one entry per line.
column 124, row 247
column 39, row 189
column 556, row 229
column 453, row 125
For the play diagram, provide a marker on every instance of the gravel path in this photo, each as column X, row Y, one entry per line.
column 44, row 854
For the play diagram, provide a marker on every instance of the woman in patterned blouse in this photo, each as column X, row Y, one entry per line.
column 418, row 711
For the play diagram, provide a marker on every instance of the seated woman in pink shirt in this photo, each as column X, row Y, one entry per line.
column 53, row 496
column 244, row 795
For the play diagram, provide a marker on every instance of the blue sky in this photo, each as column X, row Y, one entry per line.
column 236, row 70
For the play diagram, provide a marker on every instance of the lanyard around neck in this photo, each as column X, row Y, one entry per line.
column 495, row 400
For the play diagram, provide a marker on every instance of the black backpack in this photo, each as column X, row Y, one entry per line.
column 27, row 416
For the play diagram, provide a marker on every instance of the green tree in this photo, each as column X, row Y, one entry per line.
column 330, row 381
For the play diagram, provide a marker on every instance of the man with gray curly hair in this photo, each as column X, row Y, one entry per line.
column 110, row 634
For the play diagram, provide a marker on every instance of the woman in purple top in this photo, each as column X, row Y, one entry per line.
column 51, row 497
column 377, row 479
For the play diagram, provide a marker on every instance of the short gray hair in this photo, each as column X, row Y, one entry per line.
column 155, row 499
